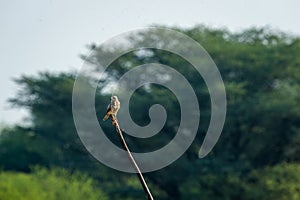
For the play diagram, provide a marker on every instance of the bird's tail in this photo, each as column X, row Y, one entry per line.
column 106, row 117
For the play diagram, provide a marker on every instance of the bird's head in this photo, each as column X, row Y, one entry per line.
column 114, row 98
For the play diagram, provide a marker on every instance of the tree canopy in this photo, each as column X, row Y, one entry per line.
column 256, row 157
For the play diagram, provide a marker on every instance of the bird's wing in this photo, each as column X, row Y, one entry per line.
column 108, row 108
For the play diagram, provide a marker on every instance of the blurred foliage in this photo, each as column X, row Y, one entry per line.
column 51, row 185
column 280, row 182
column 258, row 151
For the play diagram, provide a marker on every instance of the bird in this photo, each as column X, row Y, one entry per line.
column 112, row 108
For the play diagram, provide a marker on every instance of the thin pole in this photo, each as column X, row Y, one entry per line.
column 139, row 173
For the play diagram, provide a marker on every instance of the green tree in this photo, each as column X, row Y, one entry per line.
column 260, row 69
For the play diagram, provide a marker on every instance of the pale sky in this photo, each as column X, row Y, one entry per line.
column 49, row 35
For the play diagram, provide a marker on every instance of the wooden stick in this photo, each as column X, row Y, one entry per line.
column 139, row 173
